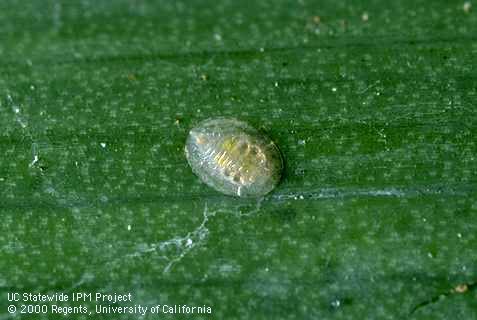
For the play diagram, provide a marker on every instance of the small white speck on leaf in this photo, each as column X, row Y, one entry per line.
column 333, row 89
column 35, row 160
column 365, row 16
column 461, row 288
column 129, row 227
column 336, row 304
column 103, row 144
column 467, row 6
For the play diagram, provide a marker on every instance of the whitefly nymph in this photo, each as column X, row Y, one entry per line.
column 233, row 157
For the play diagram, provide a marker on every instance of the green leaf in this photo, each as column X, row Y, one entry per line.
column 372, row 103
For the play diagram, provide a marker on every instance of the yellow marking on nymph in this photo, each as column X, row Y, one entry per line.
column 249, row 157
column 229, row 144
column 222, row 159
column 200, row 139
column 218, row 155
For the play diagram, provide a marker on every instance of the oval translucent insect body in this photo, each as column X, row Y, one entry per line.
column 233, row 157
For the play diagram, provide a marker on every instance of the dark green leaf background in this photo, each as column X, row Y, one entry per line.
column 373, row 104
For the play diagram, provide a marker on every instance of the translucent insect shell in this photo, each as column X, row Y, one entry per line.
column 233, row 157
